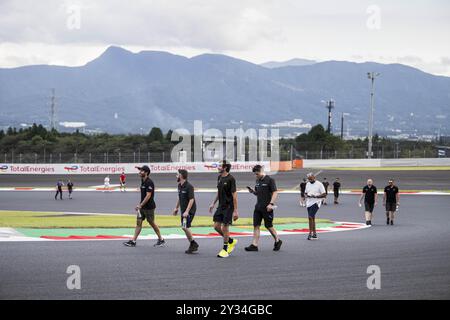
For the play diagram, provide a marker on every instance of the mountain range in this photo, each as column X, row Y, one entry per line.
column 121, row 91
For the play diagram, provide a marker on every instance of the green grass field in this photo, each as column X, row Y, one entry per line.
column 31, row 219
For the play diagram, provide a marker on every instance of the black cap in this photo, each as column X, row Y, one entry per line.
column 144, row 168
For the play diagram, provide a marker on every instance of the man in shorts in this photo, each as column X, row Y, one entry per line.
column 186, row 202
column 266, row 194
column 146, row 208
column 315, row 193
column 370, row 195
column 122, row 181
column 391, row 201
column 227, row 210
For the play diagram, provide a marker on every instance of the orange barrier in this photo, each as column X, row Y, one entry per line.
column 281, row 165
column 297, row 164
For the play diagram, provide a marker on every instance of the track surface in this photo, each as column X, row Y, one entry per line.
column 414, row 256
column 406, row 180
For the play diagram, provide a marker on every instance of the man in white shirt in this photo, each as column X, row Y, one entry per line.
column 315, row 193
column 106, row 182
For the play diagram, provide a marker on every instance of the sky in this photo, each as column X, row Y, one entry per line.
column 73, row 32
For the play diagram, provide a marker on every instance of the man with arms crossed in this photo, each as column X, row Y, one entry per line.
column 186, row 201
column 226, row 211
column 370, row 195
column 391, row 200
column 266, row 193
column 315, row 193
column 146, row 208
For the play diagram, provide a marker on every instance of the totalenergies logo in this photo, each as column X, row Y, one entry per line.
column 4, row 168
column 212, row 166
column 71, row 169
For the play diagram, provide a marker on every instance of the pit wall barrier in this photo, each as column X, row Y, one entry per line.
column 356, row 163
column 118, row 168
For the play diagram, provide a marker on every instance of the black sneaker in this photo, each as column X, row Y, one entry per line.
column 392, row 222
column 314, row 237
column 277, row 245
column 309, row 237
column 367, row 223
column 160, row 243
column 193, row 247
column 251, row 248
column 370, row 222
column 387, row 221
column 130, row 243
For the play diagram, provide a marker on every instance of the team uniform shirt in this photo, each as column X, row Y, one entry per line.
column 70, row 186
column 264, row 189
column 369, row 193
column 336, row 186
column 185, row 194
column 226, row 186
column 391, row 194
column 122, row 178
column 314, row 189
column 106, row 181
column 59, row 185
column 148, row 186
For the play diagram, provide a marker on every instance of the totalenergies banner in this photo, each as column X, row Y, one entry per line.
column 117, row 168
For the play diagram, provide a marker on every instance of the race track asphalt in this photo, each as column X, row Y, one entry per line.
column 413, row 255
column 406, row 180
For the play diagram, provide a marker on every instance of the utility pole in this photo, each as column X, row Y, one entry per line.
column 371, row 76
column 342, row 126
column 53, row 111
column 329, row 105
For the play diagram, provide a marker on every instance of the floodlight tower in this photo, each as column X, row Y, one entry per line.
column 371, row 76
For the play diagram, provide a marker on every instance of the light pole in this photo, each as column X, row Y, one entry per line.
column 371, row 76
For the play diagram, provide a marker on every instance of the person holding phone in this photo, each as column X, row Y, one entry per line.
column 266, row 195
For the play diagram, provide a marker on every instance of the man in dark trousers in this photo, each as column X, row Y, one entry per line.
column 70, row 188
column 146, row 208
column 266, row 194
column 59, row 186
column 336, row 189
column 227, row 210
column 186, row 202
column 391, row 201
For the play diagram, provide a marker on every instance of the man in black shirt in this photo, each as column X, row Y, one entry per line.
column 325, row 185
column 226, row 211
column 146, row 208
column 59, row 186
column 70, row 188
column 336, row 188
column 302, row 193
column 370, row 195
column 186, row 201
column 391, row 200
column 266, row 195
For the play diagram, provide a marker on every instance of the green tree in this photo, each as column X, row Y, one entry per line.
column 155, row 135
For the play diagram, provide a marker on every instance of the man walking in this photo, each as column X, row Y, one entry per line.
column 227, row 210
column 326, row 184
column 391, row 200
column 59, row 186
column 315, row 193
column 122, row 180
column 336, row 189
column 106, row 185
column 70, row 188
column 146, row 208
column 186, row 201
column 370, row 195
column 302, row 193
column 266, row 195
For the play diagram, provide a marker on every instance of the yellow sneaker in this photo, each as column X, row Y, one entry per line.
column 222, row 254
column 232, row 245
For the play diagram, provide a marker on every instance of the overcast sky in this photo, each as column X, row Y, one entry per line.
column 73, row 32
